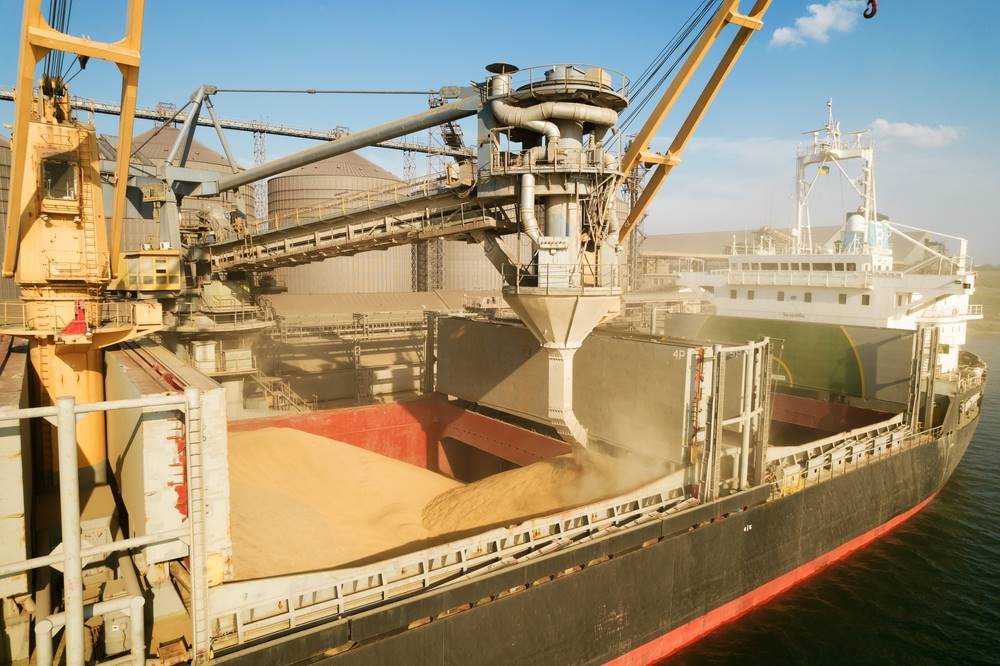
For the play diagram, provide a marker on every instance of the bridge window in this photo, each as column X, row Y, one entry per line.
column 784, row 267
column 852, row 267
column 866, row 299
column 808, row 297
column 824, row 267
column 838, row 267
column 842, row 299
column 58, row 179
column 732, row 293
column 750, row 294
column 781, row 295
column 769, row 267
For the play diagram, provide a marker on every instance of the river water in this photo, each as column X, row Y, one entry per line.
column 927, row 593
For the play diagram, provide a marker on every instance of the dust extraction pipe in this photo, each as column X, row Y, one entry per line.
column 534, row 117
column 462, row 108
column 529, row 222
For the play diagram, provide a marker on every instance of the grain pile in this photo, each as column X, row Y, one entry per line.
column 544, row 487
column 302, row 502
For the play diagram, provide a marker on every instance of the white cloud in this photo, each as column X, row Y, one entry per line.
column 822, row 19
column 911, row 134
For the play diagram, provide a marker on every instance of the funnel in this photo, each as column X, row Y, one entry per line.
column 561, row 322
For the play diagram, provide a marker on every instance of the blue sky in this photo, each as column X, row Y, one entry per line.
column 923, row 73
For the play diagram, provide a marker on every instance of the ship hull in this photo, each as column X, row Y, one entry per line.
column 644, row 593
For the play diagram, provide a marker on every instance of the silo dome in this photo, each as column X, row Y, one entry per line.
column 156, row 143
column 318, row 183
column 153, row 147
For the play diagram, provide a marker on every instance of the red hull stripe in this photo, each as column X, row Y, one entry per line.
column 688, row 633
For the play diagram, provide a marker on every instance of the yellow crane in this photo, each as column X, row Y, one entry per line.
column 57, row 249
column 639, row 152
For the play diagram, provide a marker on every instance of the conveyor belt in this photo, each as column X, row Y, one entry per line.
column 429, row 210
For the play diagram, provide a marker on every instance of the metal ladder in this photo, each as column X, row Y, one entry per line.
column 201, row 639
column 91, row 265
column 923, row 376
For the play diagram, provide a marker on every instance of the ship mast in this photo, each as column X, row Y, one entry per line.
column 829, row 148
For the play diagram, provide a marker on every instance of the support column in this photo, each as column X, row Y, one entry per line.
column 746, row 417
column 560, row 409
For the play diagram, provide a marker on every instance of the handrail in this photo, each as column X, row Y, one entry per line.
column 832, row 465
column 574, row 75
column 363, row 200
column 13, row 313
column 558, row 277
column 66, row 411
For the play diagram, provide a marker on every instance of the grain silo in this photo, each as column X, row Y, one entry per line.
column 152, row 148
column 7, row 288
column 378, row 270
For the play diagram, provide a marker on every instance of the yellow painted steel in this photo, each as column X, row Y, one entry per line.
column 57, row 246
column 37, row 39
column 639, row 151
column 148, row 271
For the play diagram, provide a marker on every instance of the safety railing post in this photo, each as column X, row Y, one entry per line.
column 69, row 511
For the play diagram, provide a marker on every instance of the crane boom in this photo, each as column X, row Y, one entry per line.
column 276, row 129
column 639, row 152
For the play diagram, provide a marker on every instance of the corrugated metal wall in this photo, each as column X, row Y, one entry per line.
column 381, row 270
column 8, row 290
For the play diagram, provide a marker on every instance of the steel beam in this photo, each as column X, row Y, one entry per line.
column 462, row 108
column 162, row 116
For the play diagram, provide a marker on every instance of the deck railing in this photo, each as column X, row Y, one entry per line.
column 846, row 459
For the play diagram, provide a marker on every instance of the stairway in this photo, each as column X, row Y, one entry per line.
column 451, row 132
column 280, row 395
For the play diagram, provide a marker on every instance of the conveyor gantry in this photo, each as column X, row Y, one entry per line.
column 397, row 215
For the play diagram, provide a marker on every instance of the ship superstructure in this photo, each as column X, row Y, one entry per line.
column 853, row 280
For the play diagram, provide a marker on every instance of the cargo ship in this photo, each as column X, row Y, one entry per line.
column 565, row 487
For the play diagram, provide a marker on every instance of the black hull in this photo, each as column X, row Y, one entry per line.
column 645, row 592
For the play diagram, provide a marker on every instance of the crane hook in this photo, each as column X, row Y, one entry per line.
column 871, row 10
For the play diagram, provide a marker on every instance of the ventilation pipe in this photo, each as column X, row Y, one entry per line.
column 513, row 116
column 529, row 222
column 614, row 224
column 535, row 118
